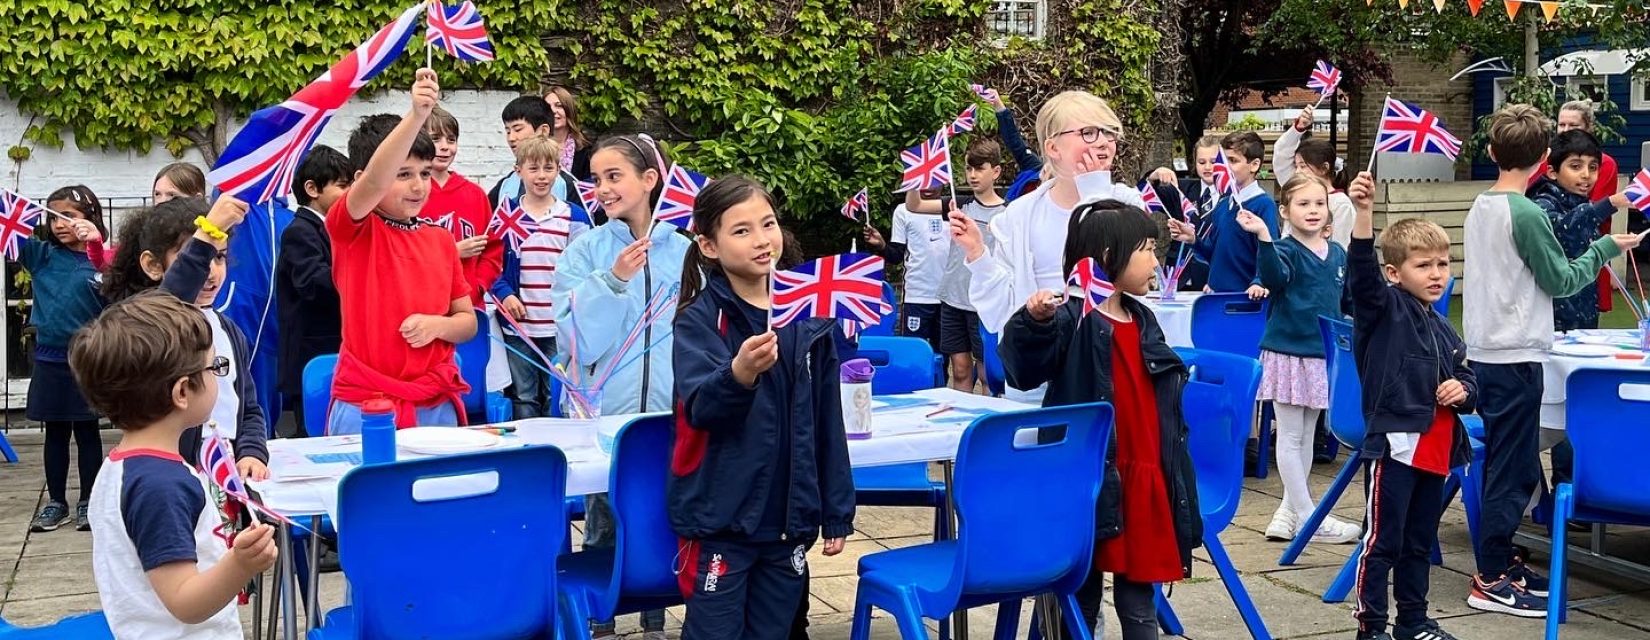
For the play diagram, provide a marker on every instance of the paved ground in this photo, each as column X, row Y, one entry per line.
column 49, row 575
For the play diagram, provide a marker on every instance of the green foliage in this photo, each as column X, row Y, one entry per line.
column 1249, row 122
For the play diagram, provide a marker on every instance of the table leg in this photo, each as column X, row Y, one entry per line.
column 289, row 596
column 274, row 612
column 314, row 604
column 1049, row 612
column 257, row 607
column 959, row 618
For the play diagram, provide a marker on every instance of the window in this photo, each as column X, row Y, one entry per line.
column 1016, row 18
column 1502, row 84
column 1595, row 88
column 1640, row 100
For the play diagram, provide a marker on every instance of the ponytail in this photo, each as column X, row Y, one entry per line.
column 696, row 268
column 717, row 197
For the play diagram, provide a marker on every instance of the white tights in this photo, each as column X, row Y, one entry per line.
column 1296, row 426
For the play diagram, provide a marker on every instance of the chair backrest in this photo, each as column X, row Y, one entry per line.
column 1442, row 305
column 995, row 379
column 426, row 563
column 1346, row 394
column 903, row 365
column 318, row 391
column 81, row 626
column 1229, row 323
column 1219, row 405
column 645, row 547
column 890, row 320
column 1606, row 412
column 472, row 356
column 1026, row 182
column 1006, row 473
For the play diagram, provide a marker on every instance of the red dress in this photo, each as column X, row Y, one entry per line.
column 1146, row 549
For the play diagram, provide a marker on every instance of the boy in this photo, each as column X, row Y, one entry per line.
column 161, row 569
column 923, row 244
column 467, row 205
column 523, row 290
column 1223, row 245
column 405, row 301
column 1562, row 192
column 524, row 117
column 1415, row 435
column 305, row 299
column 1517, row 267
column 959, row 325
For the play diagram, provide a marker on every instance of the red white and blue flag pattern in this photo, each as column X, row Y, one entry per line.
column 860, row 202
column 1638, row 192
column 459, row 31
column 1325, row 78
column 18, row 217
column 1225, row 183
column 258, row 164
column 1148, row 193
column 847, row 287
column 1188, row 208
column 682, row 188
column 927, row 165
column 218, row 463
column 1091, row 280
column 965, row 120
column 511, row 224
column 1406, row 128
column 587, row 195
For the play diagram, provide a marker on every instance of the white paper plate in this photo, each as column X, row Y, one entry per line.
column 1585, row 350
column 444, row 440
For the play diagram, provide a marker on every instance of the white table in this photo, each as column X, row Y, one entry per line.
column 1175, row 316
column 1556, row 372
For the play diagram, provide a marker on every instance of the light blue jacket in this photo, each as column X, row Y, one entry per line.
column 602, row 310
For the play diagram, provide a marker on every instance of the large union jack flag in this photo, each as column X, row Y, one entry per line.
column 259, row 162
column 927, row 165
column 860, row 202
column 18, row 217
column 1091, row 280
column 682, row 188
column 847, row 286
column 1638, row 191
column 965, row 120
column 1325, row 78
column 1225, row 183
column 458, row 31
column 512, row 224
column 1406, row 128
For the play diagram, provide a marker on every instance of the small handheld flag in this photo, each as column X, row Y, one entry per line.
column 927, row 165
column 1148, row 193
column 860, row 202
column 511, row 224
column 218, row 463
column 1091, row 280
column 459, row 31
column 965, row 120
column 1638, row 191
column 847, row 286
column 1324, row 80
column 1225, row 183
column 676, row 201
column 587, row 195
column 1188, row 209
column 18, row 217
column 979, row 90
column 1406, row 128
column 445, row 221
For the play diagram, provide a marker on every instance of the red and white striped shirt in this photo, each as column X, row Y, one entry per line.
column 539, row 254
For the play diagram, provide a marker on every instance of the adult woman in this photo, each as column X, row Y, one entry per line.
column 567, row 134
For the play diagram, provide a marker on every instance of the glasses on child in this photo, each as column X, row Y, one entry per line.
column 219, row 367
column 1091, row 134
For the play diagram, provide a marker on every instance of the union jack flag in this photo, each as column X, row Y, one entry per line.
column 1638, row 192
column 676, row 202
column 1148, row 193
column 860, row 202
column 851, row 328
column 218, row 463
column 978, row 89
column 927, row 165
column 847, row 286
column 1188, row 208
column 259, row 162
column 1325, row 78
column 1089, row 278
column 965, row 120
column 587, row 195
column 18, row 217
column 1225, row 184
column 459, row 31
column 511, row 224
column 1406, row 128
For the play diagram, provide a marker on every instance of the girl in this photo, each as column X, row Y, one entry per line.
column 65, row 297
column 1304, row 274
column 180, row 246
column 179, row 180
column 1316, row 157
column 567, row 134
column 604, row 281
column 1147, row 520
column 760, row 462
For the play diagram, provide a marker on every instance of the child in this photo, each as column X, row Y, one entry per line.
column 920, row 243
column 1291, row 154
column 1079, row 134
column 524, row 288
column 1516, row 270
column 305, row 298
column 759, row 468
column 959, row 339
column 1228, row 250
column 173, row 246
column 1305, row 273
column 567, row 134
column 1147, row 521
column 526, row 117
column 162, row 569
column 1415, row 385
column 65, row 297
column 405, row 301
column 467, row 205
column 179, row 180
column 1201, row 191
column 604, row 281
column 1563, row 194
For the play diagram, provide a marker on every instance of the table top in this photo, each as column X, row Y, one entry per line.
column 1584, row 349
column 304, row 472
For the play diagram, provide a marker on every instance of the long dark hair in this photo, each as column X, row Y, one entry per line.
column 81, row 198
column 157, row 230
column 642, row 152
column 1320, row 154
column 1108, row 231
column 719, row 196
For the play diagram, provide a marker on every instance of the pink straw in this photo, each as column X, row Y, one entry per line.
column 654, row 310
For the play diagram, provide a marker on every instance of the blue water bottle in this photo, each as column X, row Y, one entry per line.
column 377, row 431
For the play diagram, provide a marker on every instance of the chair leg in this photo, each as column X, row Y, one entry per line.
column 1263, row 448
column 1234, row 587
column 1326, row 503
column 1558, row 591
column 1341, row 586
column 909, row 617
column 1166, row 617
column 861, row 629
column 1073, row 617
column 1472, row 493
column 1008, row 619
column 574, row 610
column 5, row 448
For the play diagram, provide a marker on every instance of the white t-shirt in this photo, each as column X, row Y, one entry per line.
column 927, row 247
column 539, row 254
column 227, row 412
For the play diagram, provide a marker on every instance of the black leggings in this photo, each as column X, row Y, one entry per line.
column 1136, row 604
column 90, row 442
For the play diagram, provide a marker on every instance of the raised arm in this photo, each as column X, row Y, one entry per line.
column 369, row 188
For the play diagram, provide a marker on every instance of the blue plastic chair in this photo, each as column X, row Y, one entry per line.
column 1605, row 417
column 6, row 450
column 1442, row 304
column 1232, row 323
column 899, row 364
column 473, row 566
column 1026, row 182
column 995, row 379
column 82, row 626
column 1003, row 475
column 472, row 357
column 890, row 320
column 637, row 574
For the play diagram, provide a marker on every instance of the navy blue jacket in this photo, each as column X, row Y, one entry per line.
column 1228, row 249
column 185, row 279
column 306, row 301
column 1575, row 224
column 726, row 435
column 1404, row 350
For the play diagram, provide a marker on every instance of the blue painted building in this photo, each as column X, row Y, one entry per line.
column 1581, row 71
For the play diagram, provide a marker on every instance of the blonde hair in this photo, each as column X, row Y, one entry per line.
column 539, row 149
column 1208, row 142
column 1583, row 107
column 1301, row 180
column 1071, row 110
column 1409, row 236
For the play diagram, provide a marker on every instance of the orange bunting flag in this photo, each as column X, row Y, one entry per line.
column 1512, row 8
column 1403, row 4
column 1475, row 6
column 1549, row 10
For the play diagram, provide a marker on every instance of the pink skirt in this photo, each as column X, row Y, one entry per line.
column 1294, row 380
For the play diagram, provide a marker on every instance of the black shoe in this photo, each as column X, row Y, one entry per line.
column 1527, row 579
column 51, row 516
column 81, row 521
column 1251, row 454
column 1505, row 596
column 1428, row 630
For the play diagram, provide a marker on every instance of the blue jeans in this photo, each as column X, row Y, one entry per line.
column 345, row 418
column 530, row 384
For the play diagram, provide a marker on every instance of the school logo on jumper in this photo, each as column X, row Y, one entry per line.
column 799, row 559
column 713, row 572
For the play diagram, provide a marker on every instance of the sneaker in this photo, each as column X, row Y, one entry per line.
column 1428, row 630
column 1285, row 523
column 81, row 521
column 1334, row 531
column 51, row 516
column 1503, row 596
column 1374, row 635
column 1526, row 578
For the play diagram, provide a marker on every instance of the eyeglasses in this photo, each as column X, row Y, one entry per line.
column 219, row 367
column 1091, row 134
